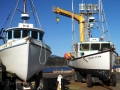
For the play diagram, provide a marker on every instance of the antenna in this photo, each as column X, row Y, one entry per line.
column 82, row 1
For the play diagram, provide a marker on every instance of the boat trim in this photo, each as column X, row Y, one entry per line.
column 18, row 28
column 22, row 44
column 13, row 46
column 92, row 54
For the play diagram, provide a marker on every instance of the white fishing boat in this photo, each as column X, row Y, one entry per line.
column 91, row 56
column 24, row 52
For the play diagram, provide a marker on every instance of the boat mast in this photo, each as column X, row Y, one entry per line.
column 24, row 10
column 73, row 31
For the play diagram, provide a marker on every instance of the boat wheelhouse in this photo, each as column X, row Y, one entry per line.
column 91, row 47
column 20, row 32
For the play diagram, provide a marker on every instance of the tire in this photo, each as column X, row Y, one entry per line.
column 89, row 80
column 113, row 80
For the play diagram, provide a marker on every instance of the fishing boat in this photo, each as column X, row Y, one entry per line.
column 24, row 52
column 91, row 57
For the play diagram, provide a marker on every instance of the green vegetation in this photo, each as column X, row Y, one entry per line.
column 56, row 61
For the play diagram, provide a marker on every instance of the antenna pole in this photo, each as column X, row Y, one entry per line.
column 72, row 28
column 24, row 11
column 73, row 32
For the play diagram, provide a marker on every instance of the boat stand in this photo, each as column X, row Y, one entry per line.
column 90, row 80
column 8, row 82
column 105, row 85
column 78, row 77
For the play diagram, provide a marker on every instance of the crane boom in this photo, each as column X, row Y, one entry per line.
column 77, row 17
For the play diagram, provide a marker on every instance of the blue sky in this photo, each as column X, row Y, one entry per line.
column 59, row 36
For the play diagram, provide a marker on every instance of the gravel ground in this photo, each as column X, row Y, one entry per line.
column 69, row 83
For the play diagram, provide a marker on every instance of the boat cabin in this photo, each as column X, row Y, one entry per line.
column 91, row 47
column 21, row 32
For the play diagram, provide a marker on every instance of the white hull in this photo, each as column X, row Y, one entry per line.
column 97, row 61
column 23, row 58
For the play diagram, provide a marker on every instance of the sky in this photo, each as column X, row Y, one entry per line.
column 59, row 35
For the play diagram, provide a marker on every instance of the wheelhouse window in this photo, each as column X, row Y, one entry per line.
column 9, row 34
column 84, row 47
column 17, row 34
column 25, row 33
column 105, row 46
column 34, row 34
column 95, row 46
column 41, row 36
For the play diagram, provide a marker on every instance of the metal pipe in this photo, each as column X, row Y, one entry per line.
column 24, row 10
column 24, row 6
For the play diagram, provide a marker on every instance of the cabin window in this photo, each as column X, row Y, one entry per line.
column 34, row 34
column 17, row 34
column 25, row 33
column 105, row 46
column 84, row 47
column 9, row 34
column 95, row 46
column 41, row 36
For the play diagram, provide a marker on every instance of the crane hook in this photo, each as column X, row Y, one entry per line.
column 57, row 19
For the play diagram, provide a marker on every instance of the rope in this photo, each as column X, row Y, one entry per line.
column 101, row 12
column 33, row 13
column 102, row 31
column 40, row 54
column 13, row 13
column 106, row 24
column 36, row 14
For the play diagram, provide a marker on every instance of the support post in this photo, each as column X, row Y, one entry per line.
column 59, row 80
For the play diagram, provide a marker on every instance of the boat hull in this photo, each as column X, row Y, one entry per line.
column 25, row 59
column 98, row 64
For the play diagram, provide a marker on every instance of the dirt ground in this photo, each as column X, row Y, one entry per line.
column 70, row 84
